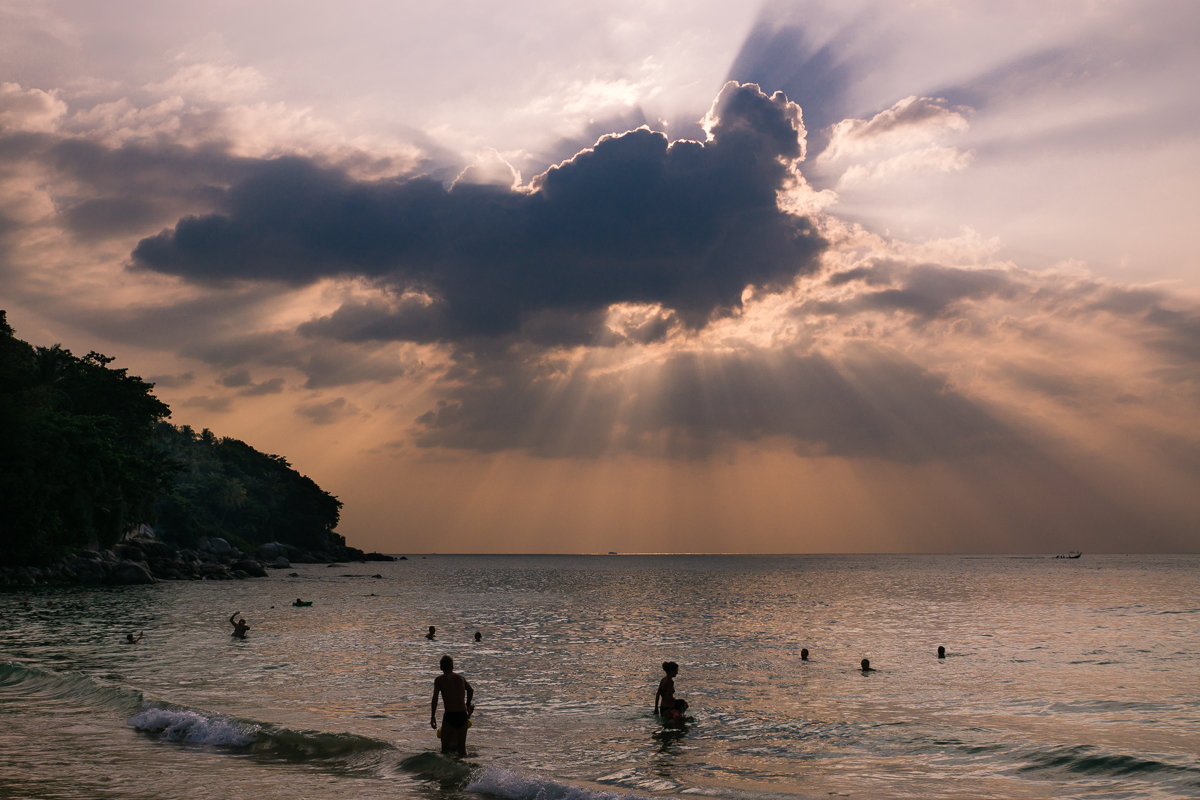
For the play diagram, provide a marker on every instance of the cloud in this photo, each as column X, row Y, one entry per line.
column 908, row 138
column 269, row 386
column 329, row 411
column 634, row 219
column 29, row 110
column 913, row 120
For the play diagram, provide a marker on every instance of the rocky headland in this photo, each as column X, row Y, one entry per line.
column 141, row 559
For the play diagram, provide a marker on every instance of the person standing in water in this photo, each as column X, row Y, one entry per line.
column 458, row 695
column 664, row 698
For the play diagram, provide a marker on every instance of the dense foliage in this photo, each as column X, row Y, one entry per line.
column 85, row 455
column 228, row 488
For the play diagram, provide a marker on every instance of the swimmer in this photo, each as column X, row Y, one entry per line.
column 804, row 654
column 432, row 633
column 458, row 695
column 941, row 651
column 239, row 626
column 131, row 639
column 866, row 665
column 478, row 636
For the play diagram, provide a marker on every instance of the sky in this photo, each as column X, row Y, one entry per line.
column 650, row 276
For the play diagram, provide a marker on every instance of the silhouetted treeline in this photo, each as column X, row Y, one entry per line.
column 227, row 488
column 85, row 456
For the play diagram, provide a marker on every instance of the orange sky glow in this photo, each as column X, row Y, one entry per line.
column 787, row 279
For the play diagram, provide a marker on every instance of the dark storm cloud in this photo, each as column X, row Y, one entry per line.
column 635, row 219
column 872, row 402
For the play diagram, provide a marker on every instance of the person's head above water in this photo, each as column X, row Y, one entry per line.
column 941, row 651
column 804, row 654
column 478, row 636
column 866, row 665
column 671, row 668
column 447, row 664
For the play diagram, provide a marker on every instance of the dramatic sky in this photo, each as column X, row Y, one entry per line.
column 812, row 276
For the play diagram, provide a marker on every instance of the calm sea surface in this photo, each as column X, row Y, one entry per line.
column 1063, row 679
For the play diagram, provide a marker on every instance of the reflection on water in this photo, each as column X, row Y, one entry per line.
column 1062, row 679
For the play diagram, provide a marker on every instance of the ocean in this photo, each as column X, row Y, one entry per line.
column 1063, row 679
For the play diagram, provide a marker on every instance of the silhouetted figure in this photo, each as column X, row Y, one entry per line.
column 432, row 633
column 131, row 639
column 675, row 714
column 457, row 694
column 866, row 665
column 239, row 626
column 804, row 654
column 941, row 651
column 665, row 701
column 478, row 636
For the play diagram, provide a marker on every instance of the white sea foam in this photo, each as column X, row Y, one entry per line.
column 518, row 786
column 192, row 727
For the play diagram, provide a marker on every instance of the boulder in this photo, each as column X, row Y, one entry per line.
column 271, row 551
column 87, row 570
column 250, row 567
column 219, row 546
column 281, row 562
column 127, row 573
column 130, row 552
column 210, row 571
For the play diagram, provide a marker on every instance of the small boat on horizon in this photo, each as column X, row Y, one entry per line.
column 1072, row 554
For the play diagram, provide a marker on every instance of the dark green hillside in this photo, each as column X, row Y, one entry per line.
column 86, row 456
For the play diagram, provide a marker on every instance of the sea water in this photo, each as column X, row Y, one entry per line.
column 1063, row 679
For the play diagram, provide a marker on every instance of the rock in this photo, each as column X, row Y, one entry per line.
column 219, row 546
column 130, row 552
column 126, row 573
column 250, row 567
column 281, row 562
column 87, row 570
column 210, row 571
column 271, row 551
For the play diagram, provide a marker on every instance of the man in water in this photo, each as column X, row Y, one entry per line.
column 457, row 694
column 432, row 633
column 131, row 639
column 866, row 665
column 239, row 626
